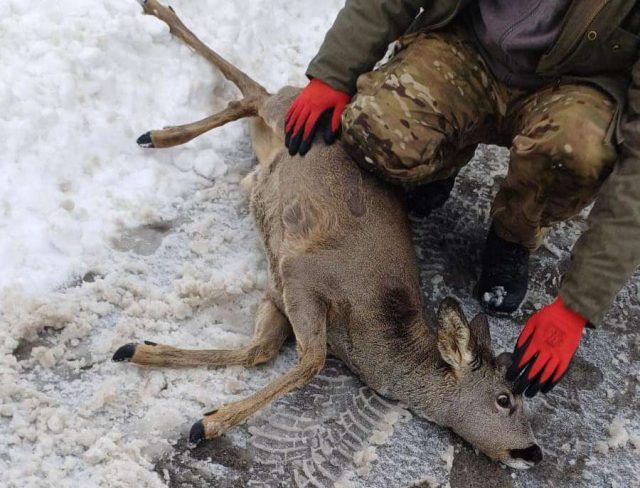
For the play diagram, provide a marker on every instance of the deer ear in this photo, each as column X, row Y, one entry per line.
column 480, row 331
column 504, row 360
column 454, row 335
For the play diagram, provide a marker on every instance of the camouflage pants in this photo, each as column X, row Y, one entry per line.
column 420, row 117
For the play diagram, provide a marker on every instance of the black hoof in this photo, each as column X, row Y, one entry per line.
column 125, row 353
column 145, row 140
column 196, row 436
column 149, row 343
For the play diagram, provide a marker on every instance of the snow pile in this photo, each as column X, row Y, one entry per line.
column 81, row 80
column 619, row 437
column 78, row 199
column 447, row 456
column 78, row 85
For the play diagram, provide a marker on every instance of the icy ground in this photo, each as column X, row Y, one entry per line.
column 102, row 244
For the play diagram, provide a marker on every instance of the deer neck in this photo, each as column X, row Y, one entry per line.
column 412, row 372
column 266, row 144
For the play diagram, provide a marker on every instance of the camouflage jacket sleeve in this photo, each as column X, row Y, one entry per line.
column 608, row 253
column 359, row 38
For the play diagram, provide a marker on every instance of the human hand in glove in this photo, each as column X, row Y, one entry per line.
column 545, row 348
column 318, row 107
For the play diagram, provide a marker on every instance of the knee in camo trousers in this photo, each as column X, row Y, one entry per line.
column 420, row 117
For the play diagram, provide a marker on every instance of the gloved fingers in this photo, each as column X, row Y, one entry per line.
column 301, row 121
column 513, row 372
column 522, row 380
column 535, row 374
column 520, row 384
column 294, row 143
column 518, row 352
column 549, row 369
column 287, row 117
column 336, row 118
column 310, row 125
column 526, row 333
column 528, row 382
column 307, row 138
column 534, row 386
column 297, row 133
column 528, row 354
column 292, row 121
column 292, row 115
column 563, row 367
column 328, row 134
column 556, row 377
column 309, row 133
column 538, row 365
column 548, row 385
column 299, row 139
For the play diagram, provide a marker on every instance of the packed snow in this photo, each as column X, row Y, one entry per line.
column 103, row 243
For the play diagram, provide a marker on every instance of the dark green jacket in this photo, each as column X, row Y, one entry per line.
column 592, row 47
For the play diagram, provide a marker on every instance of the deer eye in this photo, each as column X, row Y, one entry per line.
column 503, row 401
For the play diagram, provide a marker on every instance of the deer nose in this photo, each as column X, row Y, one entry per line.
column 531, row 454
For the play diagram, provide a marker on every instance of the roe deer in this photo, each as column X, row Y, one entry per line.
column 344, row 279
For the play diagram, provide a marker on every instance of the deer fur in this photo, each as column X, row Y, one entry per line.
column 344, row 280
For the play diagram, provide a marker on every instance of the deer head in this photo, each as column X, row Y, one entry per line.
column 478, row 402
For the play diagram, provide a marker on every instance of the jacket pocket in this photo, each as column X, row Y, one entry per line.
column 623, row 48
column 617, row 53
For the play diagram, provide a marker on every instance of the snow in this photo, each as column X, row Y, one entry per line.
column 102, row 243
column 618, row 435
column 80, row 81
column 495, row 297
column 85, row 267
column 447, row 457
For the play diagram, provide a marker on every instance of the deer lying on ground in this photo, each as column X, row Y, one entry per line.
column 344, row 279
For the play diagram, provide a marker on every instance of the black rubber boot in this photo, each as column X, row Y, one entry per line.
column 421, row 200
column 505, row 275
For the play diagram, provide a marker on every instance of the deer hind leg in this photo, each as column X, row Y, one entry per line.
column 308, row 319
column 272, row 329
column 181, row 134
column 253, row 93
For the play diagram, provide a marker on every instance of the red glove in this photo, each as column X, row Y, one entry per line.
column 545, row 348
column 317, row 107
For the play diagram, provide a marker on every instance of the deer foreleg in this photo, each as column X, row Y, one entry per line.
column 308, row 319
